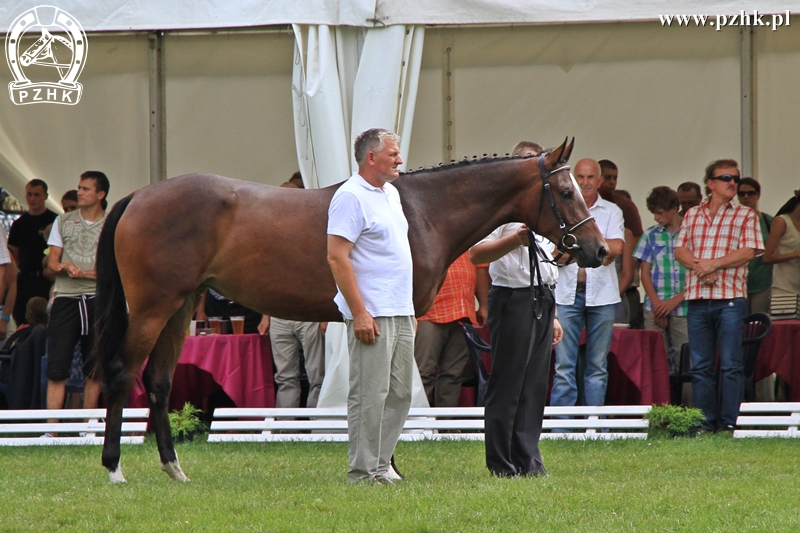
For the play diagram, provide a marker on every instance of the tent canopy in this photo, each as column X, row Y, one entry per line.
column 660, row 102
column 125, row 15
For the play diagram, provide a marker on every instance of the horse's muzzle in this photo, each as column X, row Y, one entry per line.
column 602, row 253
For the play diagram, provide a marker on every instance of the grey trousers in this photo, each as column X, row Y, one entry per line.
column 441, row 347
column 380, row 395
column 758, row 302
column 675, row 335
column 286, row 337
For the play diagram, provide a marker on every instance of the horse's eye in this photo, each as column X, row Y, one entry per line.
column 567, row 194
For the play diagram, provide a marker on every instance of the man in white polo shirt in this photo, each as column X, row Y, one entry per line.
column 588, row 297
column 370, row 258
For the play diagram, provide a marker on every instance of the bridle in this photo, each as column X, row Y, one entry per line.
column 568, row 239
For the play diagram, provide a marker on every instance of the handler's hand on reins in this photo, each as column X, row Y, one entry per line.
column 522, row 236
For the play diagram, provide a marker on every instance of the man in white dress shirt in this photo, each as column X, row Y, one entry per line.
column 587, row 297
column 521, row 346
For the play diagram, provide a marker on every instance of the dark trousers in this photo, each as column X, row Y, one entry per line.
column 517, row 390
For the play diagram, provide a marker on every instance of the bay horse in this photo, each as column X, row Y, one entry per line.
column 265, row 247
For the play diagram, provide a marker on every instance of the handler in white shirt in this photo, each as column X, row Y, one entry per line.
column 521, row 346
column 588, row 297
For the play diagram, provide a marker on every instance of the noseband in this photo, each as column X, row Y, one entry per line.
column 568, row 240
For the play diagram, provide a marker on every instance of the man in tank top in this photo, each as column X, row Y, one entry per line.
column 73, row 251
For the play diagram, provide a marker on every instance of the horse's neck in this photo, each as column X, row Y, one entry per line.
column 454, row 209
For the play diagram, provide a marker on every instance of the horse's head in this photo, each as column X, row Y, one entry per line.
column 558, row 212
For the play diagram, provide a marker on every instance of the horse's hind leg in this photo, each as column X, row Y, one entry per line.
column 158, row 382
column 139, row 340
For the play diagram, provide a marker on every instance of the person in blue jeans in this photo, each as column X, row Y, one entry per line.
column 588, row 297
column 717, row 240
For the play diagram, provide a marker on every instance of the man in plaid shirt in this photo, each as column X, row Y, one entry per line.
column 662, row 276
column 717, row 240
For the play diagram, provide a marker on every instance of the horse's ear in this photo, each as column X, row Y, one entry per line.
column 568, row 151
column 555, row 156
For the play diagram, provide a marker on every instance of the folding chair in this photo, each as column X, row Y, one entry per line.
column 475, row 347
column 756, row 327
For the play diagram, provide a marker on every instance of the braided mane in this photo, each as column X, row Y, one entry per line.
column 475, row 161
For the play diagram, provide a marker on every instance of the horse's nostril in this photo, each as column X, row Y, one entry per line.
column 602, row 252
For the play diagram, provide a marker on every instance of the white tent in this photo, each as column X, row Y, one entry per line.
column 124, row 15
column 659, row 101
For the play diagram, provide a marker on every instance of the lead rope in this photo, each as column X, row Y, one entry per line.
column 536, row 290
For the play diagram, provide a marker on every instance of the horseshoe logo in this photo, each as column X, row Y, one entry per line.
column 49, row 44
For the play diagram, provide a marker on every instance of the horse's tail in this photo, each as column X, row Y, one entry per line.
column 111, row 308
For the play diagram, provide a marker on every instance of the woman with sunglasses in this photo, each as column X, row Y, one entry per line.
column 783, row 248
column 759, row 274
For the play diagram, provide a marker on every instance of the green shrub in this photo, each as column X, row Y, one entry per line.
column 186, row 422
column 672, row 420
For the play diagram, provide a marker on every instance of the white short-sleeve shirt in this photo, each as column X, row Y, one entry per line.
column 602, row 284
column 4, row 256
column 55, row 238
column 513, row 269
column 372, row 219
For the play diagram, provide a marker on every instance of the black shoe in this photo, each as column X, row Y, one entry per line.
column 394, row 467
column 504, row 474
column 535, row 473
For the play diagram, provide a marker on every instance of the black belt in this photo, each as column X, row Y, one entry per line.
column 551, row 286
column 580, row 287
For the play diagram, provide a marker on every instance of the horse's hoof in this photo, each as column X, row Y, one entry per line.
column 115, row 476
column 173, row 469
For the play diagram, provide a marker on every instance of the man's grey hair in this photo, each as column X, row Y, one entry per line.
column 372, row 141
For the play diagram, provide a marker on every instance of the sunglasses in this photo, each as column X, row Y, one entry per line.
column 744, row 194
column 727, row 178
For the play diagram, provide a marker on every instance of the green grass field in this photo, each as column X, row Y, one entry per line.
column 705, row 484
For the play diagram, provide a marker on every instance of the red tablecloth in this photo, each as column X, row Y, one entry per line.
column 240, row 365
column 638, row 373
column 780, row 354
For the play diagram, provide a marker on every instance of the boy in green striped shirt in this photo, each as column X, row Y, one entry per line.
column 662, row 275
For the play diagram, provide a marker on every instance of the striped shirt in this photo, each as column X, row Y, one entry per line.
column 657, row 247
column 735, row 227
column 456, row 298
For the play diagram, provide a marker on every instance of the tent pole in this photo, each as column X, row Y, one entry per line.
column 748, row 97
column 158, row 109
